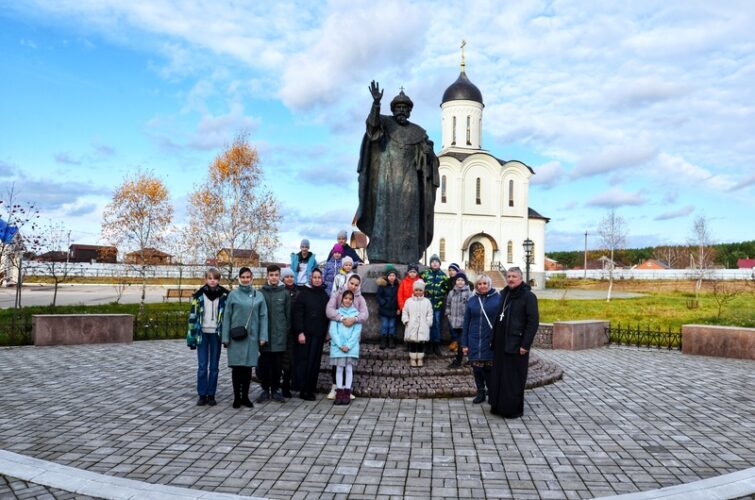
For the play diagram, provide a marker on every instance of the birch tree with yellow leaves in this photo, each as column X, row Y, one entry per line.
column 139, row 217
column 232, row 209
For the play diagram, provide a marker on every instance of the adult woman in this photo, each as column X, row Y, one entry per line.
column 310, row 327
column 515, row 327
column 331, row 311
column 477, row 332
column 245, row 329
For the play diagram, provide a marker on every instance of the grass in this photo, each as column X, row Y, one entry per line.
column 662, row 309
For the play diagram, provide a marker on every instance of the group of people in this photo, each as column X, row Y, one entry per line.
column 281, row 328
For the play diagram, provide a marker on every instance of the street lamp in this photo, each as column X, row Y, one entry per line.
column 528, row 245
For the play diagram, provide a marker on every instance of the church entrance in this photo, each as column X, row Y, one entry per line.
column 477, row 257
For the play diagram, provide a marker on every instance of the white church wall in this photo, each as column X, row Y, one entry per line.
column 488, row 188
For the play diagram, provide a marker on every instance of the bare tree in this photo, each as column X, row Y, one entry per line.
column 138, row 217
column 702, row 258
column 232, row 209
column 52, row 252
column 18, row 232
column 613, row 234
column 673, row 255
column 724, row 292
column 179, row 243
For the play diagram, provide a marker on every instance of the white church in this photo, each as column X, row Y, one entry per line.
column 482, row 213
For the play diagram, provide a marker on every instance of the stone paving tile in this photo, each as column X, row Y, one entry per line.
column 11, row 487
column 622, row 420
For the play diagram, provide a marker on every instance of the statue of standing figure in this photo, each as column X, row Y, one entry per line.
column 398, row 177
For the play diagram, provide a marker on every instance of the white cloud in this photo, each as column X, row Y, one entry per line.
column 675, row 214
column 548, row 174
column 614, row 158
column 616, row 197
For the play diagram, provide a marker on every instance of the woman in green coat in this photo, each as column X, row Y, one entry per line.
column 245, row 307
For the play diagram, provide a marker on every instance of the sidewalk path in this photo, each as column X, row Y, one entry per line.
column 622, row 420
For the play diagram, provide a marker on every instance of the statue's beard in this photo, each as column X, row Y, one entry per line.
column 401, row 118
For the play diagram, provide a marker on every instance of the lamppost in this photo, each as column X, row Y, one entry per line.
column 585, row 275
column 528, row 244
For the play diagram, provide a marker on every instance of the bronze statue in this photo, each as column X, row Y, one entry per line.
column 398, row 176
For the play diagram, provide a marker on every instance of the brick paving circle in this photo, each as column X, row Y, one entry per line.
column 386, row 373
column 621, row 420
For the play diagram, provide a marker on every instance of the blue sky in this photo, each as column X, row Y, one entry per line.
column 645, row 107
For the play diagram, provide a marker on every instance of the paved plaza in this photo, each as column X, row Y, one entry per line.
column 621, row 420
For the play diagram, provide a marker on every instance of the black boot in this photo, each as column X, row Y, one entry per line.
column 245, row 382
column 436, row 349
column 479, row 380
column 456, row 363
column 383, row 341
column 391, row 342
column 236, row 381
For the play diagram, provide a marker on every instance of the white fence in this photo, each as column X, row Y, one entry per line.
column 102, row 270
column 653, row 274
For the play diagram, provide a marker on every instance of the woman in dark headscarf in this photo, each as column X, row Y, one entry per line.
column 310, row 329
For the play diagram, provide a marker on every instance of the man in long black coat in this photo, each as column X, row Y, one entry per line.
column 513, row 333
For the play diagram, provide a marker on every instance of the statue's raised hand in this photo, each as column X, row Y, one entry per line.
column 377, row 94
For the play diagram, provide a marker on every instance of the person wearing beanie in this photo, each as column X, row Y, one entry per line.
column 287, row 361
column 332, row 267
column 346, row 251
column 343, row 275
column 436, row 290
column 417, row 316
column 387, row 296
column 405, row 289
column 477, row 333
column 456, row 305
column 302, row 263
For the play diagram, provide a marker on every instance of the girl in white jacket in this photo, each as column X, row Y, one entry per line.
column 417, row 317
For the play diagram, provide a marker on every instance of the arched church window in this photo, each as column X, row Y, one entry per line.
column 478, row 188
column 510, row 252
column 511, row 193
column 453, row 133
column 469, row 130
column 442, row 250
column 443, row 189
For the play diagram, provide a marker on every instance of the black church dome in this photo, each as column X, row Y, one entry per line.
column 462, row 90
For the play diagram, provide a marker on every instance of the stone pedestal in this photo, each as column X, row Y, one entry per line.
column 578, row 335
column 723, row 341
column 68, row 329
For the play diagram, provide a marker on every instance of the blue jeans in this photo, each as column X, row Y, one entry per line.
column 388, row 325
column 208, row 357
column 455, row 333
column 435, row 329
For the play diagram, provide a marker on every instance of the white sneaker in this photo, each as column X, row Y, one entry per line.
column 332, row 393
column 351, row 395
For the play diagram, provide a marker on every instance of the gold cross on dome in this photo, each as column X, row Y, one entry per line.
column 401, row 88
column 463, row 44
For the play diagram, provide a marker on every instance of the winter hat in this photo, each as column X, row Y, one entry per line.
column 461, row 274
column 347, row 259
column 435, row 257
column 390, row 269
column 286, row 271
column 455, row 267
column 418, row 285
column 341, row 234
column 412, row 267
column 304, row 243
column 337, row 248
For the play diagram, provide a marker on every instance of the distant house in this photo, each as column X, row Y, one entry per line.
column 745, row 263
column 553, row 265
column 52, row 256
column 152, row 256
column 241, row 257
column 92, row 253
column 652, row 264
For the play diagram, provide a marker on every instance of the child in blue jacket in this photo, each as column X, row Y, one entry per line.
column 344, row 348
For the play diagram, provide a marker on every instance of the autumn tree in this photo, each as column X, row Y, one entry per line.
column 232, row 209
column 613, row 233
column 138, row 217
column 52, row 252
column 179, row 243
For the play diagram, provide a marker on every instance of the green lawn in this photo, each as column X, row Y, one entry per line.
column 657, row 310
